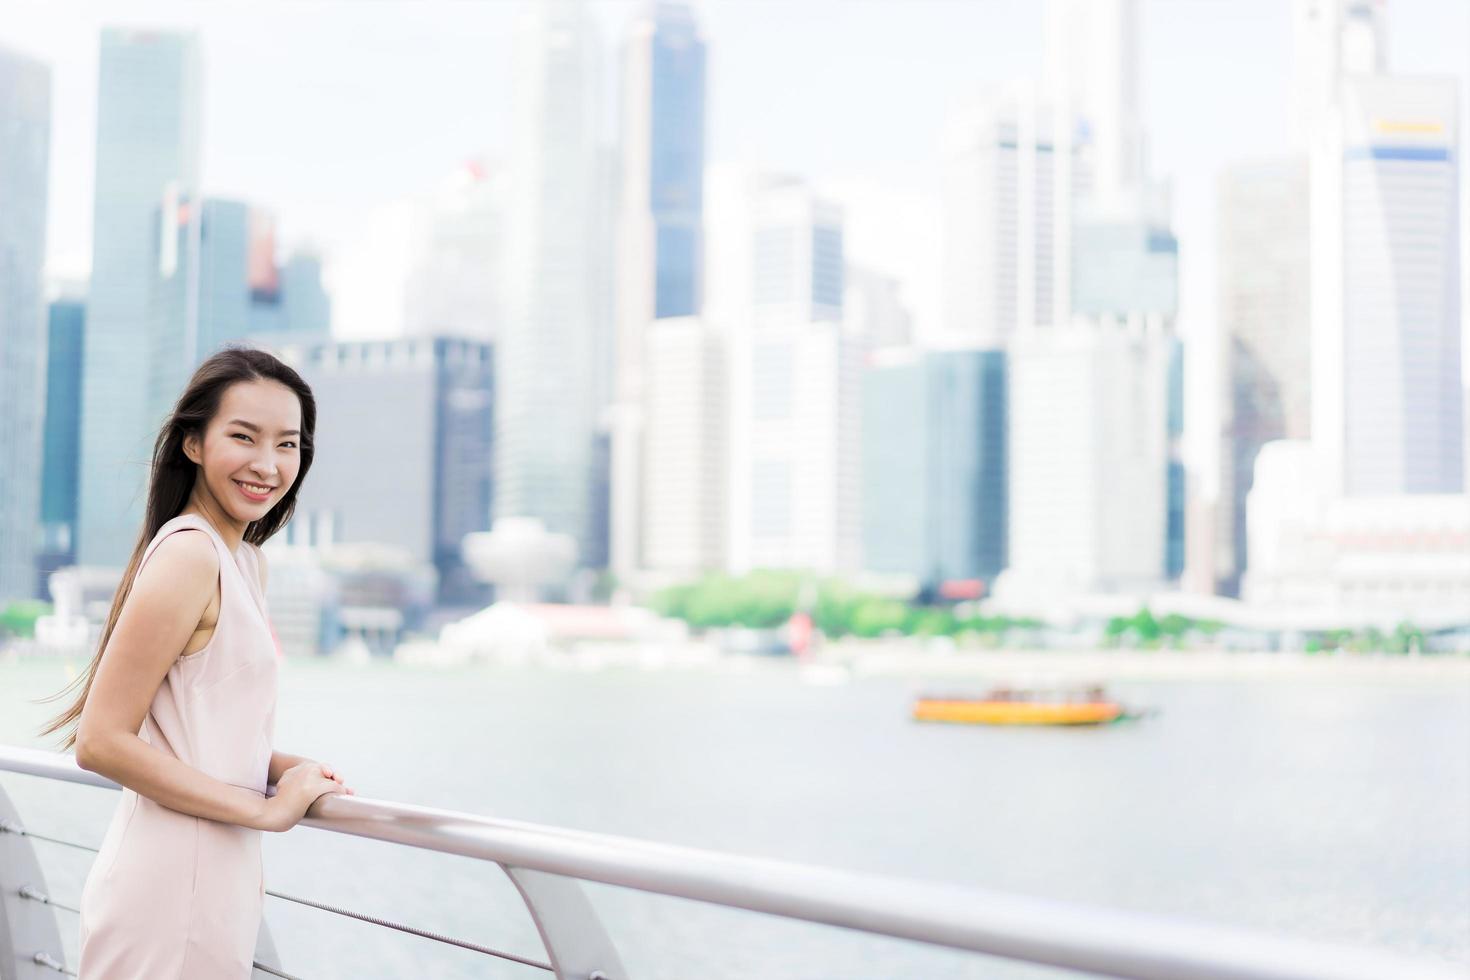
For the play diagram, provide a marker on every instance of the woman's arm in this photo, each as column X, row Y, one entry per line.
column 168, row 598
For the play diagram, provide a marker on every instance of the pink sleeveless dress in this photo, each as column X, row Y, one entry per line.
column 172, row 896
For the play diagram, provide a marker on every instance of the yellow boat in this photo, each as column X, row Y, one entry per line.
column 1005, row 707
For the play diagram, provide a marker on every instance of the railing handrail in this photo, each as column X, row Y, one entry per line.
column 1063, row 934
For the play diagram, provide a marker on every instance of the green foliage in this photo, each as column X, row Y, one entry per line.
column 767, row 598
column 1406, row 638
column 875, row 617
column 19, row 617
column 838, row 608
column 931, row 621
column 1142, row 629
column 760, row 600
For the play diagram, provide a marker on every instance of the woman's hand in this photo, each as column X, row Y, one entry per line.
column 298, row 788
column 331, row 774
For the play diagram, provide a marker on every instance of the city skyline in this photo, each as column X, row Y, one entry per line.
column 1105, row 249
column 903, row 64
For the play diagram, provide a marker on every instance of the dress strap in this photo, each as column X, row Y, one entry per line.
column 181, row 521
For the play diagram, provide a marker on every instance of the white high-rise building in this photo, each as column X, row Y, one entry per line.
column 556, row 316
column 1007, row 231
column 686, row 452
column 454, row 284
column 873, row 307
column 1018, row 161
column 797, row 257
column 660, row 237
column 25, row 121
column 1088, row 448
column 1387, row 401
column 1332, row 39
column 1387, row 398
column 796, row 408
column 1092, row 59
column 796, row 457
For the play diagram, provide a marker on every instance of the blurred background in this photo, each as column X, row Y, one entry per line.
column 713, row 380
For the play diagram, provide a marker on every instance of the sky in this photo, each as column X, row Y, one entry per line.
column 324, row 111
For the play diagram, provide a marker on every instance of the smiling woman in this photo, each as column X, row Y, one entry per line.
column 179, row 703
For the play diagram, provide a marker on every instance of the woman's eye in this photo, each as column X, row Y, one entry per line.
column 288, row 442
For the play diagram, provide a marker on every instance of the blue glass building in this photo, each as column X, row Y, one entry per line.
column 61, row 437
column 676, row 160
column 934, row 466
column 147, row 172
column 243, row 294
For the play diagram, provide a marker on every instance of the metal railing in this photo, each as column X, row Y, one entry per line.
column 546, row 863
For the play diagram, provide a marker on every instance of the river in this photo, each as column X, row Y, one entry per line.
column 1322, row 804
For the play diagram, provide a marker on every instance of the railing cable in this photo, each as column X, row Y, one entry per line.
column 10, row 828
column 26, row 891
column 6, row 827
column 437, row 937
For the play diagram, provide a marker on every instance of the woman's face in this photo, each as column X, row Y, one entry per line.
column 252, row 448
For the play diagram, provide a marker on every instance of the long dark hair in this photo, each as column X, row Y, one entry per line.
column 171, row 480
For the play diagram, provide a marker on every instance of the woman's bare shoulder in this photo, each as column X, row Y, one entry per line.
column 182, row 562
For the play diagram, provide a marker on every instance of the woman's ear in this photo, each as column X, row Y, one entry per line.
column 191, row 447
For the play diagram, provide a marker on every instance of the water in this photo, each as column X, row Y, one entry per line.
column 1322, row 805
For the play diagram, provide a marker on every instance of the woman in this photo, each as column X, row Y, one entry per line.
column 178, row 706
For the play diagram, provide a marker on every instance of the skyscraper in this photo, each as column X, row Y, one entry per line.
column 796, row 411
column 146, row 189
column 686, row 450
column 1089, row 451
column 1265, row 323
column 798, row 269
column 546, row 392
column 25, row 122
column 225, row 255
column 1092, row 78
column 874, row 307
column 66, row 327
column 1012, row 168
column 934, row 464
column 306, row 309
column 454, row 285
column 244, row 295
column 1387, row 399
column 1385, row 251
column 403, row 449
column 659, row 222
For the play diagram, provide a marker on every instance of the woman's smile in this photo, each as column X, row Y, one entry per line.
column 258, row 492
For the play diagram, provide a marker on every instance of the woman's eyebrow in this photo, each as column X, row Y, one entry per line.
column 255, row 428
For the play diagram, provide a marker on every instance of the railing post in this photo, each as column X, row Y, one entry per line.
column 576, row 943
column 27, row 927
